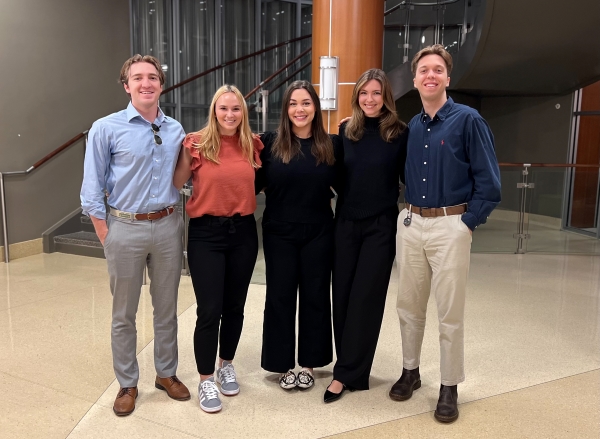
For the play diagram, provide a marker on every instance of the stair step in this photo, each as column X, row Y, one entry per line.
column 89, row 239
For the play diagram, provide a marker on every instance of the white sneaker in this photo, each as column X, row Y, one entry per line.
column 227, row 379
column 208, row 395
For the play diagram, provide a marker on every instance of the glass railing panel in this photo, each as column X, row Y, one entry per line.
column 545, row 216
column 496, row 235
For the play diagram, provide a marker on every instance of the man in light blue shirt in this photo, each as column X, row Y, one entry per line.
column 130, row 161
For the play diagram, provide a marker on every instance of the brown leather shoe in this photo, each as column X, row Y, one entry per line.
column 125, row 402
column 174, row 388
column 404, row 387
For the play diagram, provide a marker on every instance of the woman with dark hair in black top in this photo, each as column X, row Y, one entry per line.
column 298, row 170
column 374, row 144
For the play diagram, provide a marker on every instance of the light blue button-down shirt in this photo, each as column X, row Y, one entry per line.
column 122, row 159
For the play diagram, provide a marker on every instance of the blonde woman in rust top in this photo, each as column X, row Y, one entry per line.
column 222, row 240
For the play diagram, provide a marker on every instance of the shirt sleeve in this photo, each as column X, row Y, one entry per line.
column 338, row 152
column 188, row 142
column 402, row 154
column 260, row 179
column 485, row 171
column 95, row 171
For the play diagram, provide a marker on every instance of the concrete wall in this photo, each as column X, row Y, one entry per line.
column 59, row 64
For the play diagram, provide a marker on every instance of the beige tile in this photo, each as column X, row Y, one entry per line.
column 65, row 338
column 30, row 410
column 566, row 408
column 530, row 320
column 101, row 423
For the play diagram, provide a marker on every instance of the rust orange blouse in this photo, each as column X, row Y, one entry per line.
column 222, row 189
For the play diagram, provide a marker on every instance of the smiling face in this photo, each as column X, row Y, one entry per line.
column 431, row 78
column 143, row 85
column 228, row 111
column 301, row 111
column 370, row 98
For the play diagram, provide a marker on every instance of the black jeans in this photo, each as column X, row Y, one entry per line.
column 298, row 260
column 221, row 255
column 364, row 256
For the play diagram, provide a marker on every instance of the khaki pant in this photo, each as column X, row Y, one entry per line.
column 433, row 256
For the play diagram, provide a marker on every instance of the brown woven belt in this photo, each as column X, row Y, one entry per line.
column 150, row 216
column 432, row 212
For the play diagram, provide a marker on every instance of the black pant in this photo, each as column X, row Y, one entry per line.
column 221, row 255
column 298, row 258
column 364, row 255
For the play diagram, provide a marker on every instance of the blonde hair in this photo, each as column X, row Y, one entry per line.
column 210, row 138
column 390, row 127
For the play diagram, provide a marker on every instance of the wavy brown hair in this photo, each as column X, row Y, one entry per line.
column 124, row 75
column 210, row 137
column 286, row 145
column 390, row 127
column 436, row 49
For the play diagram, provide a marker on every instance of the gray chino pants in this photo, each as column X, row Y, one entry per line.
column 128, row 247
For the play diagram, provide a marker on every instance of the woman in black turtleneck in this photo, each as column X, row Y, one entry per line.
column 299, row 167
column 374, row 145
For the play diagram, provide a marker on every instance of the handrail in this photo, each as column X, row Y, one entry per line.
column 550, row 165
column 291, row 75
column 405, row 3
column 270, row 78
column 27, row 171
column 228, row 63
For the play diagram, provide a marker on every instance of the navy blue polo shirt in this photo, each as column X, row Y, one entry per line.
column 451, row 160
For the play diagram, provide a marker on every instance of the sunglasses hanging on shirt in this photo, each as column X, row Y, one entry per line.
column 155, row 129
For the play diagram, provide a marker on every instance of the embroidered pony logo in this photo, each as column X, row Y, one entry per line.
column 442, row 141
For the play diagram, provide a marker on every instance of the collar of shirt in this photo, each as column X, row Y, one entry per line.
column 133, row 113
column 441, row 113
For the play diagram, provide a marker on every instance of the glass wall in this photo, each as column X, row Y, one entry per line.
column 413, row 26
column 192, row 36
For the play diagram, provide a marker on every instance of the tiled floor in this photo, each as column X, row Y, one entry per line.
column 532, row 356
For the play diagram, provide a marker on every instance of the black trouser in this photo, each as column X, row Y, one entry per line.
column 221, row 255
column 364, row 255
column 298, row 260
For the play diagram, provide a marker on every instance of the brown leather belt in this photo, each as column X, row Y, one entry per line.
column 432, row 212
column 150, row 216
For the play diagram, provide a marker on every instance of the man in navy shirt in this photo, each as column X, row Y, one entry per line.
column 130, row 159
column 452, row 186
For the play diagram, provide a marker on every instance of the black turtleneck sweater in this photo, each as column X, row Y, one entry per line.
column 373, row 169
column 299, row 191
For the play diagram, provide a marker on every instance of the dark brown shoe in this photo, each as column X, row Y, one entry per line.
column 404, row 387
column 447, row 406
column 125, row 402
column 174, row 388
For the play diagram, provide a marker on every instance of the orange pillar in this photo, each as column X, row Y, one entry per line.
column 352, row 30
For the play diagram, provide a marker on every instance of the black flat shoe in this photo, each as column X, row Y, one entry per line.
column 330, row 396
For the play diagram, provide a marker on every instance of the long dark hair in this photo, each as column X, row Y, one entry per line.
column 287, row 145
column 390, row 127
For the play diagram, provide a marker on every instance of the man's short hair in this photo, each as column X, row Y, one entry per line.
column 436, row 49
column 124, row 77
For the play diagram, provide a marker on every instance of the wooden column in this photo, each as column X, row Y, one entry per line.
column 353, row 31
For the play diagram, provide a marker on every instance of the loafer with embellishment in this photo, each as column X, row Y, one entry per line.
column 174, row 388
column 409, row 381
column 447, row 406
column 125, row 401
